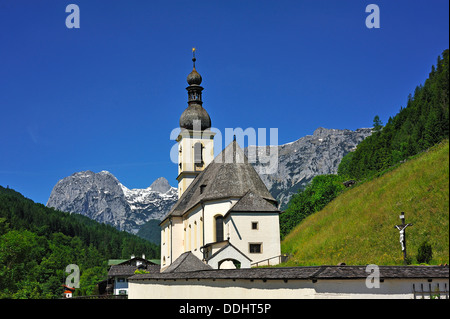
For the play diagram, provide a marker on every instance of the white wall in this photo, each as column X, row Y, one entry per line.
column 271, row 289
column 186, row 155
column 186, row 233
column 268, row 233
column 227, row 254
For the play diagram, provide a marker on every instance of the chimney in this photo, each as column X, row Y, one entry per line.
column 143, row 256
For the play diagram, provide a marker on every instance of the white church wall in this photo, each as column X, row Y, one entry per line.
column 198, row 228
column 212, row 209
column 266, row 234
column 271, row 289
column 193, row 232
column 171, row 241
column 186, row 144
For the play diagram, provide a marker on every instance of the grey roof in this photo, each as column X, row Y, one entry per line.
column 229, row 175
column 306, row 273
column 252, row 202
column 128, row 270
column 186, row 262
column 225, row 247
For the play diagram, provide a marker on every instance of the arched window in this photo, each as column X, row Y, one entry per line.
column 198, row 157
column 190, row 238
column 195, row 235
column 219, row 228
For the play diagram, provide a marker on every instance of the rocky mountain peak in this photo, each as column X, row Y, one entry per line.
column 323, row 132
column 300, row 161
column 160, row 185
column 100, row 196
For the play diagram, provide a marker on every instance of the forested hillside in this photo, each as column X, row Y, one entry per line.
column 421, row 124
column 357, row 227
column 37, row 243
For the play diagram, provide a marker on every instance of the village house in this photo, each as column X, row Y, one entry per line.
column 121, row 269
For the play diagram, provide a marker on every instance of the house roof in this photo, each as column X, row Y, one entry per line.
column 229, row 175
column 128, row 270
column 227, row 246
column 116, row 261
column 186, row 262
column 127, row 261
column 252, row 202
column 306, row 273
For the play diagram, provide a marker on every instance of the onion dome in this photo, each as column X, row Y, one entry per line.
column 195, row 118
column 194, row 78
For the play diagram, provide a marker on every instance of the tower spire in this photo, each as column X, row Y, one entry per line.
column 196, row 140
column 193, row 57
column 195, row 111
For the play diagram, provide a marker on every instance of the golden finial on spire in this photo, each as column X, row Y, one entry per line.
column 193, row 56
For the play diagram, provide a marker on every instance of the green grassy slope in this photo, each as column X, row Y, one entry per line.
column 358, row 226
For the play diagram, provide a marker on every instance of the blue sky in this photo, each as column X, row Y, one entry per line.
column 107, row 95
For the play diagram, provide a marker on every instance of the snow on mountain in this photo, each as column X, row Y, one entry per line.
column 102, row 197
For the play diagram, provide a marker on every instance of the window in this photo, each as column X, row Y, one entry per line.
column 219, row 228
column 254, row 225
column 255, row 248
column 195, row 235
column 190, row 238
column 198, row 157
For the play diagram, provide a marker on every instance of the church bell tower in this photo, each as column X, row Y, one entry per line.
column 195, row 141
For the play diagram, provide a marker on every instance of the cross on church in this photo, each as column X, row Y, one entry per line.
column 402, row 229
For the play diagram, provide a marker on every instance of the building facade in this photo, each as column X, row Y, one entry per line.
column 224, row 215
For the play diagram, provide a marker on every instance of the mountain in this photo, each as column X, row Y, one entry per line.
column 300, row 161
column 357, row 227
column 100, row 196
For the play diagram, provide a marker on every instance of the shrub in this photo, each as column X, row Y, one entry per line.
column 424, row 253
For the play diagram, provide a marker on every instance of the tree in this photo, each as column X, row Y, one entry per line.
column 377, row 124
column 424, row 253
column 344, row 167
column 322, row 190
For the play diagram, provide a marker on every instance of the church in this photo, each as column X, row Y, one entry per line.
column 225, row 222
column 225, row 215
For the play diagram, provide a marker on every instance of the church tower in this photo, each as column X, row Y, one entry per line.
column 195, row 141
